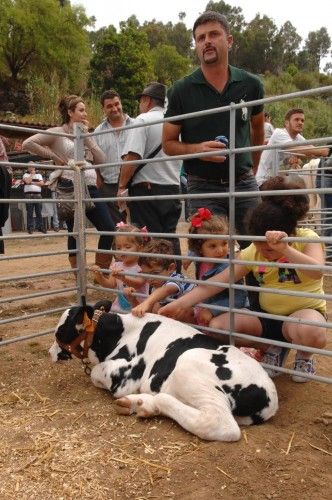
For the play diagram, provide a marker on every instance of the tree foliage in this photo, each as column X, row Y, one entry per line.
column 45, row 44
column 36, row 36
column 258, row 38
column 169, row 65
column 316, row 47
column 122, row 61
column 177, row 35
column 260, row 46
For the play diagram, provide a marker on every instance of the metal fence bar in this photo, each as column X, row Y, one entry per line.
column 26, row 337
column 34, row 275
column 81, row 232
column 32, row 315
column 16, row 298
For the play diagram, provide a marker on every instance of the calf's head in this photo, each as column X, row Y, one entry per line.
column 70, row 332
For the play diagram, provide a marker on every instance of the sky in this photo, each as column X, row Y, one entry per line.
column 304, row 15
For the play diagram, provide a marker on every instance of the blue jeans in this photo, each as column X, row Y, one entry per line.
column 34, row 207
column 100, row 217
column 220, row 206
column 55, row 217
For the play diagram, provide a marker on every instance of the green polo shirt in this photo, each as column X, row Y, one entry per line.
column 194, row 93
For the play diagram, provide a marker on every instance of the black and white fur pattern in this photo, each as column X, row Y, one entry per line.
column 158, row 366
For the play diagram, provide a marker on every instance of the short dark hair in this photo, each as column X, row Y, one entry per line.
column 211, row 16
column 293, row 111
column 109, row 94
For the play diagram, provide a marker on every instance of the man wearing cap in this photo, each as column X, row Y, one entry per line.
column 213, row 85
column 160, row 177
column 112, row 145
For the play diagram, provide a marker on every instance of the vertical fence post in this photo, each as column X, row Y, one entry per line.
column 231, row 212
column 79, row 224
column 275, row 163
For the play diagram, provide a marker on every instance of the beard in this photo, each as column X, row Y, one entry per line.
column 210, row 56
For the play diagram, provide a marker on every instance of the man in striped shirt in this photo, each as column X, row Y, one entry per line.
column 112, row 145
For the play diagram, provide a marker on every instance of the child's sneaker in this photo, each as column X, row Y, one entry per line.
column 303, row 366
column 274, row 356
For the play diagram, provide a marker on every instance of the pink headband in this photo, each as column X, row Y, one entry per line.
column 143, row 230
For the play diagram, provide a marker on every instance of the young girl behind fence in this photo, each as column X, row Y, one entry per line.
column 203, row 222
column 126, row 284
column 276, row 218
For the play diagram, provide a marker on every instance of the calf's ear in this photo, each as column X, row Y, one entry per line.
column 104, row 305
column 57, row 353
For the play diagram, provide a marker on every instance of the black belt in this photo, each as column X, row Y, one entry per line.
column 32, row 194
column 149, row 185
column 241, row 177
column 146, row 185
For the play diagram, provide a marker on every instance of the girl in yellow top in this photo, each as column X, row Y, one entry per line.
column 276, row 217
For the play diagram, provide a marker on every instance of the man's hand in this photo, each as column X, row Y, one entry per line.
column 121, row 203
column 28, row 180
column 210, row 146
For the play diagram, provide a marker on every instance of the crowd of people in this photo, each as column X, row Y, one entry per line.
column 214, row 84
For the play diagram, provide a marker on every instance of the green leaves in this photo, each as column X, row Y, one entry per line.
column 122, row 61
column 39, row 36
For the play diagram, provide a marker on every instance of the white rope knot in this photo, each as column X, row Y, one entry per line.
column 76, row 165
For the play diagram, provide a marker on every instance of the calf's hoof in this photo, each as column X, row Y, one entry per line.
column 123, row 406
column 143, row 405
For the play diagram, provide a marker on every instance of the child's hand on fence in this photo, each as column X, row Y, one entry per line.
column 116, row 274
column 96, row 270
column 275, row 240
column 128, row 292
column 97, row 274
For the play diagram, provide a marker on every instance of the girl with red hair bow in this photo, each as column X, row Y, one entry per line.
column 204, row 222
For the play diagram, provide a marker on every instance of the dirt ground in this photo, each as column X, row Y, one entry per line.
column 61, row 438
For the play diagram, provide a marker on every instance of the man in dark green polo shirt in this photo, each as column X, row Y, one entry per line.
column 213, row 85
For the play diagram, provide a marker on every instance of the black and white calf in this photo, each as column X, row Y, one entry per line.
column 158, row 366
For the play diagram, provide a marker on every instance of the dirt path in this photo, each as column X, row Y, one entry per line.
column 61, row 438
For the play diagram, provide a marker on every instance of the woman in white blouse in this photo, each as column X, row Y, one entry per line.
column 61, row 150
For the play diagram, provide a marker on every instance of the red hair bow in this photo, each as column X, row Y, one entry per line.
column 202, row 215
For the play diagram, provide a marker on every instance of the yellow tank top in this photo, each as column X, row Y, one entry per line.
column 285, row 279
